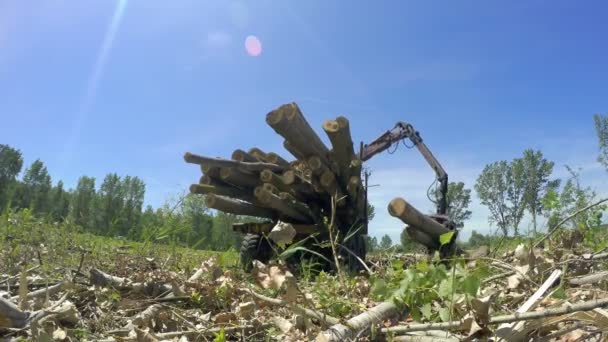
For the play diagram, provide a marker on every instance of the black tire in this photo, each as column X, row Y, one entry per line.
column 254, row 247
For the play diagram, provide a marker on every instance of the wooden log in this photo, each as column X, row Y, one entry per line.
column 211, row 171
column 328, row 183
column 270, row 188
column 221, row 190
column 422, row 238
column 288, row 121
column 277, row 159
column 268, row 176
column 229, row 205
column 208, row 180
column 399, row 208
column 338, row 131
column 242, row 156
column 238, row 178
column 219, row 162
column 299, row 206
column 352, row 188
column 316, row 165
column 258, row 154
column 281, row 206
column 293, row 150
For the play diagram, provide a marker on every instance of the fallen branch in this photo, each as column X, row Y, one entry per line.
column 516, row 317
column 589, row 279
column 51, row 290
column 359, row 323
column 498, row 276
column 554, row 228
column 279, row 302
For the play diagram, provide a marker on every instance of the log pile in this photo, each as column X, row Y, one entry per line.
column 298, row 190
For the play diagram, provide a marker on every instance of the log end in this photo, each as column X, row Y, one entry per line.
column 397, row 207
column 274, row 117
column 266, row 176
column 331, row 126
column 225, row 173
column 238, row 155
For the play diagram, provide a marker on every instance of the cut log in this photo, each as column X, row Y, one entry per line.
column 219, row 162
column 221, row 190
column 270, row 177
column 399, row 208
column 236, row 207
column 294, row 150
column 288, row 121
column 316, row 165
column 351, row 328
column 208, row 180
column 258, row 154
column 242, row 156
column 211, row 171
column 237, row 178
column 328, row 183
column 299, row 206
column 422, row 238
column 276, row 159
column 338, row 131
column 283, row 207
column 270, row 188
column 352, row 188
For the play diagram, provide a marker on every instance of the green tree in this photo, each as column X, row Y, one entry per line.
column 500, row 187
column 11, row 163
column 133, row 190
column 110, row 204
column 37, row 184
column 572, row 198
column 459, row 199
column 386, row 242
column 601, row 128
column 371, row 243
column 82, row 210
column 537, row 171
column 60, row 202
column 477, row 239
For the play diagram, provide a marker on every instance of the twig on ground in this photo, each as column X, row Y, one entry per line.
column 279, row 302
column 526, row 316
column 123, row 333
column 589, row 279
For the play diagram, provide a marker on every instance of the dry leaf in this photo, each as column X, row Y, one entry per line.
column 59, row 334
column 481, row 308
column 283, row 324
column 245, row 310
column 145, row 335
column 224, row 317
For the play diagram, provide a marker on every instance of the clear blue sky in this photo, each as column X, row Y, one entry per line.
column 129, row 86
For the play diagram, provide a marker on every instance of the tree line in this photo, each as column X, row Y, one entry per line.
column 115, row 208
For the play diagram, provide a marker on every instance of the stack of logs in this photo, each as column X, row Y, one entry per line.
column 264, row 184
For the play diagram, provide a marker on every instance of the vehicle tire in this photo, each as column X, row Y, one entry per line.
column 254, row 247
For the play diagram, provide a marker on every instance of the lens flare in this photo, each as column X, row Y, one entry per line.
column 253, row 46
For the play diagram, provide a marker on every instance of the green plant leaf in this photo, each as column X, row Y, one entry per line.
column 471, row 285
column 445, row 238
column 426, row 311
column 444, row 314
column 445, row 288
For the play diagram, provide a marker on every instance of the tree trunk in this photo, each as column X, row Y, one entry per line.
column 398, row 207
column 236, row 207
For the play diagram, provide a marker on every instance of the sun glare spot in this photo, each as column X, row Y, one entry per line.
column 253, row 46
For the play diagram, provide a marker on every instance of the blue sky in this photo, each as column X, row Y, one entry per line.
column 129, row 86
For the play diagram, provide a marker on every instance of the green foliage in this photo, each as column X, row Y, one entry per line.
column 386, row 242
column 509, row 188
column 572, row 198
column 601, row 128
column 458, row 200
column 37, row 187
column 537, row 171
column 419, row 286
column 11, row 163
column 407, row 244
column 445, row 238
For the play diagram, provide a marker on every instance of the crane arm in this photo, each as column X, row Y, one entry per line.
column 401, row 131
